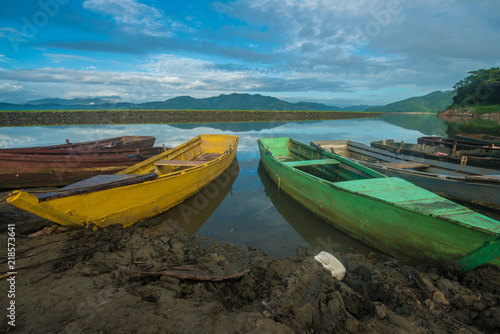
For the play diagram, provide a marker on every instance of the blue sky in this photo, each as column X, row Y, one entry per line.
column 335, row 52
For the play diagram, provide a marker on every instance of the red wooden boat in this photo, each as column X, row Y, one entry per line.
column 60, row 165
column 105, row 145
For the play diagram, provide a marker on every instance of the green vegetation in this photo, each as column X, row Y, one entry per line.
column 480, row 88
column 431, row 103
column 222, row 102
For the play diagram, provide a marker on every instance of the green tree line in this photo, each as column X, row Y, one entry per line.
column 480, row 87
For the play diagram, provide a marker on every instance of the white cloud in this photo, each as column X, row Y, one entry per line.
column 132, row 16
column 4, row 59
column 61, row 57
column 10, row 87
column 397, row 42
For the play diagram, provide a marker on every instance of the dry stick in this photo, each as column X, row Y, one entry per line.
column 7, row 275
column 65, row 256
column 197, row 275
column 223, row 298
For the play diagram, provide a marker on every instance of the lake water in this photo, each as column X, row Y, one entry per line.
column 243, row 206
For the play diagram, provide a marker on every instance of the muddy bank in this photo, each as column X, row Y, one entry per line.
column 21, row 118
column 467, row 113
column 115, row 281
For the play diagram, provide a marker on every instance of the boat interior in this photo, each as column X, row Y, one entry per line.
column 442, row 149
column 359, row 152
column 322, row 164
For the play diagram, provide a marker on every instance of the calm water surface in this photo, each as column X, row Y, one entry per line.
column 243, row 205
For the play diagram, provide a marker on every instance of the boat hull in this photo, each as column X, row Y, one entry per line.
column 126, row 205
column 23, row 170
column 480, row 138
column 476, row 158
column 458, row 145
column 441, row 178
column 382, row 213
column 94, row 146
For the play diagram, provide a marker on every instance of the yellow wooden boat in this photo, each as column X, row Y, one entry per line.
column 138, row 192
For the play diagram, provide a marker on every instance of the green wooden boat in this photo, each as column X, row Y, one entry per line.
column 389, row 214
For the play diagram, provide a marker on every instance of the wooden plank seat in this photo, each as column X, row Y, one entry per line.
column 208, row 156
column 96, row 183
column 311, row 162
column 405, row 164
column 199, row 160
column 180, row 163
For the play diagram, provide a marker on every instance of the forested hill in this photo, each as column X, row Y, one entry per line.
column 480, row 90
column 431, row 103
column 221, row 102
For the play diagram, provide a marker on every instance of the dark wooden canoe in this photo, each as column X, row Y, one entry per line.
column 388, row 213
column 464, row 157
column 23, row 170
column 481, row 138
column 470, row 184
column 458, row 145
column 129, row 143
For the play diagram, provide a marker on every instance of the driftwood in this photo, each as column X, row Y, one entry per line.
column 44, row 231
column 197, row 275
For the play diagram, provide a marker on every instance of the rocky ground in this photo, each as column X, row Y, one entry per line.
column 155, row 278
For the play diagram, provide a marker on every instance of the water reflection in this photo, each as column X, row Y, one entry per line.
column 234, row 126
column 316, row 232
column 428, row 124
column 458, row 125
column 245, row 216
column 194, row 211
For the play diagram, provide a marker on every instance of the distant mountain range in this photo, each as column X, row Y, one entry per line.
column 428, row 103
column 431, row 103
column 221, row 102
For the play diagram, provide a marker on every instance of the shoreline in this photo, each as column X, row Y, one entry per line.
column 35, row 118
column 120, row 280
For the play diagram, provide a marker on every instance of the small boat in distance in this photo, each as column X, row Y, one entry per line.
column 475, row 158
column 470, row 184
column 138, row 192
column 123, row 142
column 388, row 213
column 481, row 138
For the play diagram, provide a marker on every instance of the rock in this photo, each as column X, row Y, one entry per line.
column 439, row 299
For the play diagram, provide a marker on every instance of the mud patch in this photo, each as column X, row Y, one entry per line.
column 100, row 281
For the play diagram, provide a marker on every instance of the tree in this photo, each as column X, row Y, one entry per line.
column 480, row 87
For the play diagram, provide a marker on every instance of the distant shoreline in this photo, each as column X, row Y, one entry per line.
column 83, row 117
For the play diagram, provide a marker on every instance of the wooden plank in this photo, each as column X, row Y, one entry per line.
column 405, row 164
column 208, row 156
column 311, row 162
column 96, row 183
column 179, row 163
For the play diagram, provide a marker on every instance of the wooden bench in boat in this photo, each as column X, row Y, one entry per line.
column 200, row 160
column 179, row 163
column 302, row 163
column 96, row 183
column 405, row 164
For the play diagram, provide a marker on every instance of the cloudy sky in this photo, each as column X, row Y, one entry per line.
column 339, row 52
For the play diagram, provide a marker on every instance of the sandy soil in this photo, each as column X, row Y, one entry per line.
column 155, row 278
